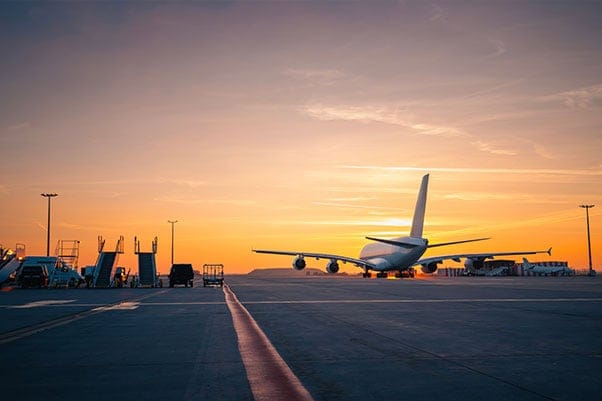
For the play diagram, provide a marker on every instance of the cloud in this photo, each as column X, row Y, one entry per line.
column 542, row 151
column 437, row 13
column 583, row 98
column 19, row 126
column 499, row 48
column 485, row 147
column 575, row 172
column 189, row 200
column 401, row 118
column 384, row 115
column 438, row 130
column 321, row 77
column 485, row 196
column 391, row 222
column 352, row 113
column 189, row 183
column 351, row 206
column 40, row 226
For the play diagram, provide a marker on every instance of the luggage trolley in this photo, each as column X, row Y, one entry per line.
column 213, row 274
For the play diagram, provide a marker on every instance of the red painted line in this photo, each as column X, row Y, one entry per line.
column 269, row 376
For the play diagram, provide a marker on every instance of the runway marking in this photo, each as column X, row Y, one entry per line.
column 40, row 327
column 269, row 376
column 70, row 303
column 37, row 328
column 135, row 305
column 48, row 302
column 97, row 305
column 119, row 306
column 422, row 301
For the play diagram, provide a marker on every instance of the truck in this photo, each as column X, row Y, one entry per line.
column 60, row 273
column 181, row 273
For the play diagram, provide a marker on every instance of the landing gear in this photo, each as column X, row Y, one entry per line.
column 382, row 275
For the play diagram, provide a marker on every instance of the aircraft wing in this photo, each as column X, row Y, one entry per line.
column 318, row 256
column 481, row 256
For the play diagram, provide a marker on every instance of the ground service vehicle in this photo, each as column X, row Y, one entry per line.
column 181, row 273
column 213, row 274
column 121, row 277
column 33, row 276
column 58, row 271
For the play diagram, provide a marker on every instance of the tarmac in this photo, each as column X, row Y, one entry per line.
column 342, row 338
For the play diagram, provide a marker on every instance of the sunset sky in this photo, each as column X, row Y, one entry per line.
column 300, row 126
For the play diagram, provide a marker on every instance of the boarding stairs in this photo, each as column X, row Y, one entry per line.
column 105, row 264
column 8, row 268
column 68, row 252
column 147, row 268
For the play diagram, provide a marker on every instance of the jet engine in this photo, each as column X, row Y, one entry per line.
column 430, row 267
column 473, row 263
column 332, row 267
column 299, row 263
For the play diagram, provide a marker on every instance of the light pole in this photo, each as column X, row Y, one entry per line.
column 589, row 245
column 172, row 230
column 48, row 226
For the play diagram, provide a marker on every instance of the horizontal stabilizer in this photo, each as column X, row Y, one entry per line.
column 458, row 242
column 395, row 243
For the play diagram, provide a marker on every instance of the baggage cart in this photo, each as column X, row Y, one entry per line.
column 213, row 275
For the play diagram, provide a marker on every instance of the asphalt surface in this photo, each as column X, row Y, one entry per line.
column 499, row 338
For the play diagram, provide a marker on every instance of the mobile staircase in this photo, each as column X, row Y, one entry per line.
column 147, row 268
column 103, row 271
column 10, row 261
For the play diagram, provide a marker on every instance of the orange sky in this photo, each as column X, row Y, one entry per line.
column 301, row 126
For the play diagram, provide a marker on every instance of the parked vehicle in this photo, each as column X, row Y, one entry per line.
column 213, row 275
column 181, row 273
column 33, row 276
column 59, row 273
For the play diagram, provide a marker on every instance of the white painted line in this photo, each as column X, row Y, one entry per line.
column 422, row 301
column 269, row 376
column 48, row 302
column 120, row 306
column 125, row 305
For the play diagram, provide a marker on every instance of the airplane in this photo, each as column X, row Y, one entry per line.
column 559, row 270
column 399, row 254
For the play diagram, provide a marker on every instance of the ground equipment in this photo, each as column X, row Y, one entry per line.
column 213, row 274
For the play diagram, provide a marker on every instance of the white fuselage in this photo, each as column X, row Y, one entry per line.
column 387, row 257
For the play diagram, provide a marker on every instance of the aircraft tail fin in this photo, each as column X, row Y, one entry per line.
column 418, row 220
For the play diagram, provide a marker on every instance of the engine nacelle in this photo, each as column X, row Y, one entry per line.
column 299, row 263
column 474, row 263
column 430, row 267
column 332, row 267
